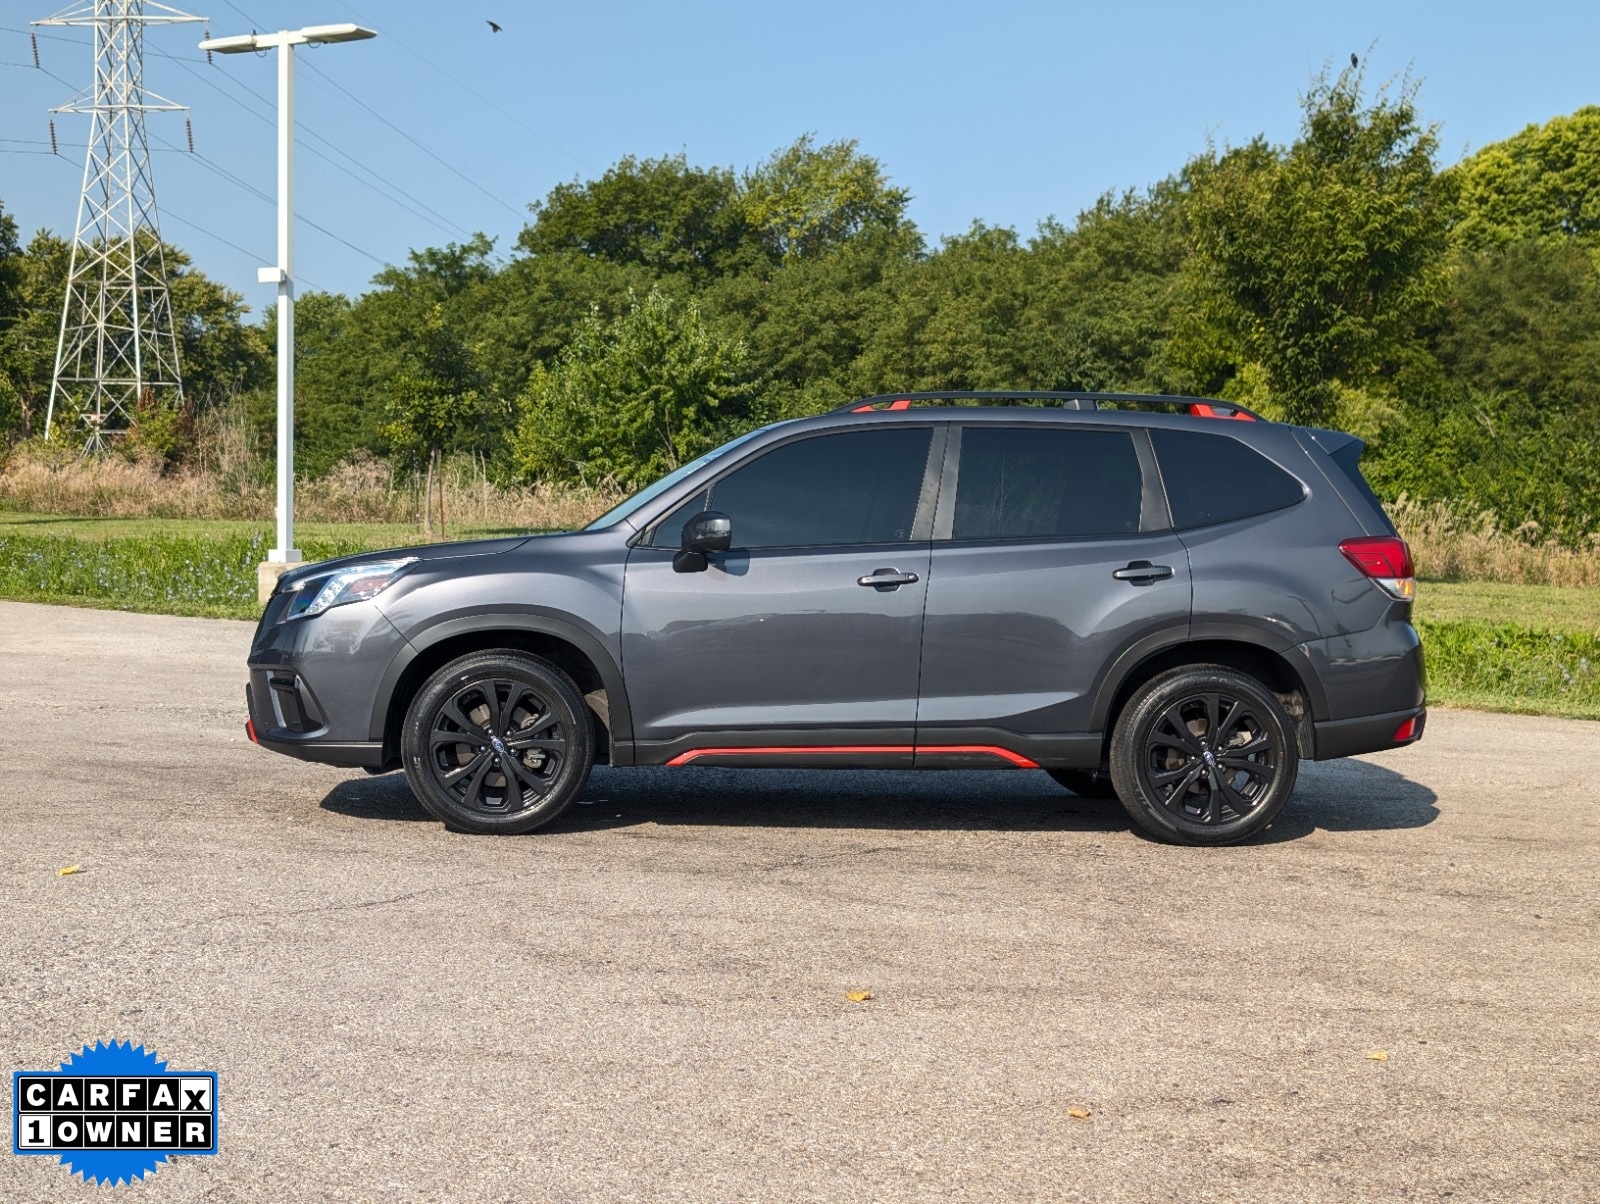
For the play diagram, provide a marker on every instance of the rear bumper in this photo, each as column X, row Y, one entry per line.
column 1367, row 733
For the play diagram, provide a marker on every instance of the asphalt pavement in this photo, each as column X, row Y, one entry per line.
column 649, row 1002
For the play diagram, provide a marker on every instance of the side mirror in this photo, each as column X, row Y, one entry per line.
column 707, row 532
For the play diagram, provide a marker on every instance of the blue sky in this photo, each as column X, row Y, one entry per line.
column 1007, row 112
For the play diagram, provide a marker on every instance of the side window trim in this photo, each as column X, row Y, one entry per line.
column 927, row 497
column 1153, row 514
column 933, row 473
column 944, row 520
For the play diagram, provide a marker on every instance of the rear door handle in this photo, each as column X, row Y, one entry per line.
column 1142, row 571
column 884, row 580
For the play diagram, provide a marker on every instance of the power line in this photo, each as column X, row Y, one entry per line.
column 253, row 253
column 396, row 194
column 181, row 220
column 357, row 101
column 403, row 199
column 267, row 198
column 468, row 88
column 432, row 154
column 244, row 184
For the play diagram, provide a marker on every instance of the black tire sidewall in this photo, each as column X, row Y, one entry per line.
column 1133, row 728
column 553, row 685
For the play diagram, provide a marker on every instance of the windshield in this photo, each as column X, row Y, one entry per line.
column 650, row 492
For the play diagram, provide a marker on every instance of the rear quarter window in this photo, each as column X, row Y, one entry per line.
column 1214, row 479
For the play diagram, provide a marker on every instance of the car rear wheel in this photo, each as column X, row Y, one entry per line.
column 1204, row 755
column 497, row 742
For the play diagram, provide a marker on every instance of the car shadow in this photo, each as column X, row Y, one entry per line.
column 1333, row 796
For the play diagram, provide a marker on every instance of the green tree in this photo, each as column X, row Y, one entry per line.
column 219, row 353
column 633, row 398
column 964, row 318
column 1524, row 318
column 13, row 308
column 429, row 401
column 1318, row 263
column 535, row 303
column 661, row 213
column 10, row 270
column 1110, row 287
column 808, row 322
column 1541, row 183
column 807, row 200
column 28, row 342
column 349, row 353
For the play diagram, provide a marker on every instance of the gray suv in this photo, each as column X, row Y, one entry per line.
column 1168, row 599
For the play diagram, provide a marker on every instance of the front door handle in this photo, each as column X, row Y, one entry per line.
column 1142, row 572
column 885, row 580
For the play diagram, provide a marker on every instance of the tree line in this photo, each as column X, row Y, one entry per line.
column 1450, row 315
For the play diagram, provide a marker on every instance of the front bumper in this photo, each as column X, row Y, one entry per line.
column 314, row 684
column 310, row 746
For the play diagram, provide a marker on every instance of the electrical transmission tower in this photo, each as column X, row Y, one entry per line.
column 117, row 345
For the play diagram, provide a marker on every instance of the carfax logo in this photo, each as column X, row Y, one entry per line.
column 114, row 1113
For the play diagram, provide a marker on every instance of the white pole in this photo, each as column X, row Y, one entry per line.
column 282, row 274
column 285, row 552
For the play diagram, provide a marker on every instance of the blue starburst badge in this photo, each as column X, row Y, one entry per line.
column 114, row 1113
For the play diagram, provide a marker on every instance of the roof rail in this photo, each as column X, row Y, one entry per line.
column 1200, row 407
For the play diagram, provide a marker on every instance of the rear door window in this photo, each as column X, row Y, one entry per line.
column 1046, row 482
column 1214, row 479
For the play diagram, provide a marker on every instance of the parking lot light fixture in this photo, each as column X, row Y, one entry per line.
column 281, row 274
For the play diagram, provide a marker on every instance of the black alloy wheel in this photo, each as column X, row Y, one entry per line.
column 497, row 742
column 1204, row 755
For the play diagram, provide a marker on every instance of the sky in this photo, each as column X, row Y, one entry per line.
column 1007, row 112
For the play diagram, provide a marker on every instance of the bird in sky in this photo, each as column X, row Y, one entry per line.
column 1354, row 61
column 494, row 27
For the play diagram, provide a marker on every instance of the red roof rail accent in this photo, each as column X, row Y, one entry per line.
column 1201, row 410
column 901, row 403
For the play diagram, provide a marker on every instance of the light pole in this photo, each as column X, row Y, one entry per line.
column 284, row 41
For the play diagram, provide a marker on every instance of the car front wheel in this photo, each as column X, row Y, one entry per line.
column 497, row 742
column 1204, row 755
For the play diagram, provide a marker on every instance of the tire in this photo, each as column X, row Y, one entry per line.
column 1085, row 783
column 526, row 744
column 1175, row 735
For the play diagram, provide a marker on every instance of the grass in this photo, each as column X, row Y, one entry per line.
column 1490, row 645
column 368, row 535
column 1510, row 667
column 1546, row 607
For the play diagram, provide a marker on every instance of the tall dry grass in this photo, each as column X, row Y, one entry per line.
column 1446, row 548
column 360, row 490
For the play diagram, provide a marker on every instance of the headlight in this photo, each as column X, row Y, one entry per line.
column 356, row 583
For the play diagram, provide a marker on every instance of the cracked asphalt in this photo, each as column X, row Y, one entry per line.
column 649, row 1001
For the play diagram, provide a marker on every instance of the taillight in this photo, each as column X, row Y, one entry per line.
column 1387, row 560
